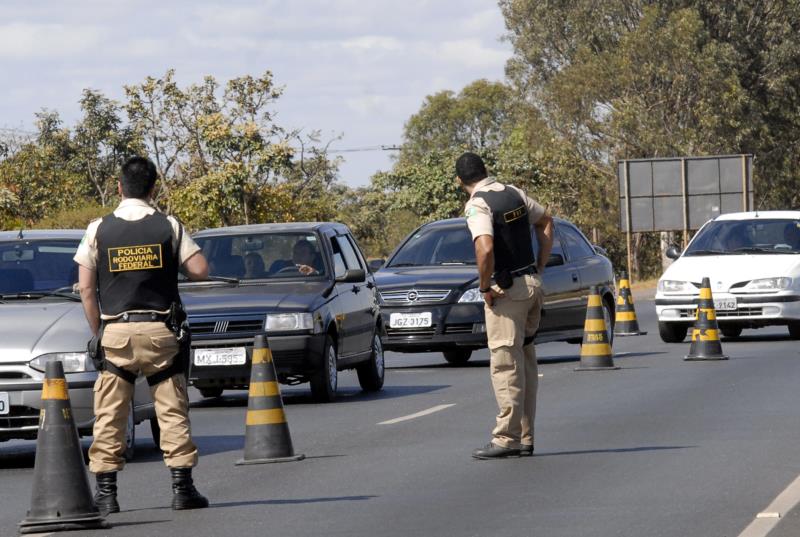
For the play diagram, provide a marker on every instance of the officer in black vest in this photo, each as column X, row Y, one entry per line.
column 128, row 279
column 500, row 218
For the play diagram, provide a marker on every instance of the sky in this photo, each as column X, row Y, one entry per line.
column 355, row 68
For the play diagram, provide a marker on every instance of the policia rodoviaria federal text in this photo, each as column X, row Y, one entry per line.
column 128, row 278
column 500, row 218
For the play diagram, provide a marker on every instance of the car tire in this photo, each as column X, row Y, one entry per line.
column 608, row 318
column 794, row 330
column 731, row 331
column 371, row 372
column 210, row 392
column 672, row 332
column 325, row 381
column 130, row 435
column 155, row 431
column 457, row 356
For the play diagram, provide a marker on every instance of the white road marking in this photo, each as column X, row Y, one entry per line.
column 767, row 519
column 541, row 375
column 419, row 414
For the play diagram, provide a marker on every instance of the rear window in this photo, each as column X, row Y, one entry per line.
column 37, row 265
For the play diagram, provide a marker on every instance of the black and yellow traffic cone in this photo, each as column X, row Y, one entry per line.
column 596, row 349
column 61, row 499
column 705, row 334
column 267, row 437
column 626, row 323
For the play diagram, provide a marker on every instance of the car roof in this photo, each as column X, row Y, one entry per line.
column 455, row 222
column 754, row 215
column 40, row 234
column 271, row 228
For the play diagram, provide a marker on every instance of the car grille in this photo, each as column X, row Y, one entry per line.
column 414, row 296
column 460, row 328
column 237, row 326
column 406, row 332
column 14, row 375
column 741, row 312
column 20, row 416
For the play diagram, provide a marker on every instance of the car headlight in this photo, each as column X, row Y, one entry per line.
column 74, row 362
column 287, row 322
column 471, row 295
column 768, row 284
column 675, row 286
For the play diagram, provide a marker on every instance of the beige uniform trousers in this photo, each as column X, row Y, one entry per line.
column 513, row 367
column 147, row 347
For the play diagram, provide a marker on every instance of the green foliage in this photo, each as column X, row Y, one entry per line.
column 73, row 217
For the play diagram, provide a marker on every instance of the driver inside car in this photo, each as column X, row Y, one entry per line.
column 304, row 257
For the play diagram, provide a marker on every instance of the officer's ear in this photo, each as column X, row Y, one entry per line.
column 119, row 187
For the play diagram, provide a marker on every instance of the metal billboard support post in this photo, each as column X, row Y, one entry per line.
column 628, row 217
column 744, row 183
column 684, row 192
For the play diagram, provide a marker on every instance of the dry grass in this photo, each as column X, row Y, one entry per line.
column 644, row 284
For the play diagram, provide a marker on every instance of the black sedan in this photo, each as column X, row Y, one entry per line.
column 429, row 296
column 306, row 286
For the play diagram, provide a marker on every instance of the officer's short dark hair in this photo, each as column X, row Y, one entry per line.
column 139, row 174
column 470, row 168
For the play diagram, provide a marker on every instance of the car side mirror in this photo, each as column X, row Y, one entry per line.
column 555, row 260
column 672, row 252
column 600, row 250
column 375, row 264
column 352, row 276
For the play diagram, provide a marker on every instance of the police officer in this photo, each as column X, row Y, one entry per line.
column 499, row 218
column 128, row 270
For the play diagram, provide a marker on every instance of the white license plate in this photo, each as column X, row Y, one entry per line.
column 221, row 356
column 410, row 320
column 725, row 304
column 5, row 405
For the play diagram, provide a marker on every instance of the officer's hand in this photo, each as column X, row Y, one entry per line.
column 490, row 295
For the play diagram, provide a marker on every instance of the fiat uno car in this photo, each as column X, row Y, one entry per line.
column 43, row 320
column 753, row 262
column 430, row 300
column 306, row 286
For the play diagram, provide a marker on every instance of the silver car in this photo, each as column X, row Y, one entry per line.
column 42, row 320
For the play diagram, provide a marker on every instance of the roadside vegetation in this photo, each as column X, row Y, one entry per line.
column 589, row 83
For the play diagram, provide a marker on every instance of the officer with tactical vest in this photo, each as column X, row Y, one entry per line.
column 128, row 279
column 499, row 218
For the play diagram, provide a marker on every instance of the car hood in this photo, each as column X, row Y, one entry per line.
column 447, row 277
column 272, row 296
column 35, row 327
column 726, row 270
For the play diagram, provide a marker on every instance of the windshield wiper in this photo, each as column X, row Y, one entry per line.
column 224, row 279
column 402, row 265
column 708, row 252
column 762, row 250
column 33, row 295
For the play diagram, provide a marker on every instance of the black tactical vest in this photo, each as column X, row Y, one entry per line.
column 513, row 249
column 137, row 268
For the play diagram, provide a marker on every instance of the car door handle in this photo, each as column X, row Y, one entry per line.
column 574, row 277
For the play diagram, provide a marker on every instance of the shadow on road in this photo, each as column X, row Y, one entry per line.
column 616, row 450
column 345, row 395
column 577, row 358
column 245, row 503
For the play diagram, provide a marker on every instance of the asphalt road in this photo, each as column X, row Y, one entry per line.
column 661, row 447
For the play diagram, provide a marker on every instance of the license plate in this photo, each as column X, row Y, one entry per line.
column 725, row 304
column 5, row 405
column 410, row 320
column 221, row 356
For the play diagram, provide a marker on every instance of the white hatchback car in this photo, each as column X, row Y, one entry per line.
column 753, row 262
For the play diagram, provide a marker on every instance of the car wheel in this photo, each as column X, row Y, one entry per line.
column 210, row 392
column 371, row 372
column 608, row 318
column 155, row 430
column 794, row 330
column 458, row 356
column 731, row 331
column 130, row 435
column 672, row 332
column 325, row 381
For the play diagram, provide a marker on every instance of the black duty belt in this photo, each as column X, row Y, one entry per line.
column 530, row 269
column 139, row 318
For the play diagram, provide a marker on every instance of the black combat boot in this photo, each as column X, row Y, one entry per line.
column 106, row 495
column 184, row 495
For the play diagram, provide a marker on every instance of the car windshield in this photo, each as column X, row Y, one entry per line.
column 737, row 237
column 263, row 256
column 37, row 266
column 433, row 245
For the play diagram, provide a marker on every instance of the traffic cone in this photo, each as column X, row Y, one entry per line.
column 626, row 323
column 61, row 498
column 595, row 349
column 705, row 334
column 267, row 437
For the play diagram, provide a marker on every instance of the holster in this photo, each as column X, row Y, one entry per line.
column 95, row 349
column 178, row 324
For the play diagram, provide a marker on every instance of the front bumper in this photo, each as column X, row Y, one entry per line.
column 452, row 326
column 751, row 309
column 25, row 398
column 294, row 356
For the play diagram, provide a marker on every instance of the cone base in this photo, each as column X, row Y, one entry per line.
column 599, row 368
column 79, row 523
column 293, row 458
column 689, row 358
column 623, row 334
